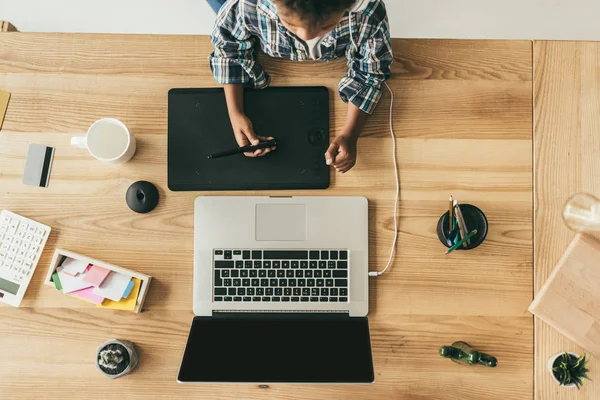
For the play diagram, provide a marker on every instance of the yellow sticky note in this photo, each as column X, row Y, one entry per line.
column 4, row 98
column 125, row 304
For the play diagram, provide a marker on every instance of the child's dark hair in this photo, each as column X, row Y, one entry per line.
column 315, row 11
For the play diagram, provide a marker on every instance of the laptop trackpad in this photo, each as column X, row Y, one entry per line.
column 280, row 222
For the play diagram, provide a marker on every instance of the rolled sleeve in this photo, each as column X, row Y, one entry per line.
column 368, row 69
column 233, row 59
column 363, row 96
column 250, row 73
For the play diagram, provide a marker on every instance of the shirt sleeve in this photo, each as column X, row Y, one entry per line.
column 233, row 59
column 368, row 67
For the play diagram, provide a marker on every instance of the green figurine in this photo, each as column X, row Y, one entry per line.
column 462, row 353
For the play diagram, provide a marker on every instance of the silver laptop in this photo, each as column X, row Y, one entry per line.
column 288, row 275
column 281, row 254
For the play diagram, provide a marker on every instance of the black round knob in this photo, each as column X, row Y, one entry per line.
column 142, row 197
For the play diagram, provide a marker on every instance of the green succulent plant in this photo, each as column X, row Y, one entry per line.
column 111, row 359
column 569, row 369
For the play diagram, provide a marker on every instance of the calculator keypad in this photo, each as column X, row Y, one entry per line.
column 21, row 244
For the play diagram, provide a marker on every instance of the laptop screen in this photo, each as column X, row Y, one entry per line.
column 278, row 349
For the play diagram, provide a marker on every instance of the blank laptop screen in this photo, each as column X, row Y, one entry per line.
column 272, row 349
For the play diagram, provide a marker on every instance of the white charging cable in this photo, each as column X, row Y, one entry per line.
column 397, row 175
column 396, row 172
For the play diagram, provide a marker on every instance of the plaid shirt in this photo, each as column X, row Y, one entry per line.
column 242, row 23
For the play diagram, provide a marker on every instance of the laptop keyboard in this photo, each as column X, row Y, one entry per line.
column 281, row 276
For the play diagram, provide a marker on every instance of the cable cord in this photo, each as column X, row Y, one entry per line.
column 397, row 176
column 396, row 172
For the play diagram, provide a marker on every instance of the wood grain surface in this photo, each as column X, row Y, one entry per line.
column 567, row 145
column 463, row 118
column 569, row 299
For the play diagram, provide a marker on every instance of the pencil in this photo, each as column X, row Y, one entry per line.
column 240, row 150
column 461, row 242
column 450, row 216
column 462, row 226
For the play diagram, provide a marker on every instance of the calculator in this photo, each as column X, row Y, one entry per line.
column 22, row 241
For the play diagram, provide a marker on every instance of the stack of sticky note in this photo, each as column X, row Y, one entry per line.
column 101, row 286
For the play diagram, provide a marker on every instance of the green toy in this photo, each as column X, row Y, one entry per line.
column 462, row 353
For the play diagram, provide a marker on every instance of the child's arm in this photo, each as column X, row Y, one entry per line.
column 342, row 151
column 369, row 58
column 233, row 64
column 369, row 62
column 233, row 59
column 241, row 124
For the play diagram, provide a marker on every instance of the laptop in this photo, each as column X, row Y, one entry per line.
column 280, row 291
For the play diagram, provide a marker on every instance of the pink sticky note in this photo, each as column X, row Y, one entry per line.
column 88, row 294
column 96, row 275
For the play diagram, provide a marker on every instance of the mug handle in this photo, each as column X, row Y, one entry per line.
column 79, row 141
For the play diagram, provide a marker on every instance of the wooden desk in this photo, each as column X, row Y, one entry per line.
column 463, row 117
column 567, row 148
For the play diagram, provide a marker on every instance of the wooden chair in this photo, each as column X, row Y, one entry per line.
column 6, row 26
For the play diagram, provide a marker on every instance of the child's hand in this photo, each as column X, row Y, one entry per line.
column 244, row 135
column 342, row 153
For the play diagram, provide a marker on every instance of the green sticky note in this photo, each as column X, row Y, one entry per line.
column 56, row 281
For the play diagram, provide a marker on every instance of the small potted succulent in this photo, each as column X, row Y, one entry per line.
column 116, row 358
column 568, row 369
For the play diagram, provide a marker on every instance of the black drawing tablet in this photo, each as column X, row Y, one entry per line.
column 297, row 117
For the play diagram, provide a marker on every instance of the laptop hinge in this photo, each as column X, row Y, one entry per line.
column 281, row 315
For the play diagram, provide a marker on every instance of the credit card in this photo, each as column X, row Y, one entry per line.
column 38, row 165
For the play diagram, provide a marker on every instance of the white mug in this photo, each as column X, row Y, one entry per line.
column 108, row 140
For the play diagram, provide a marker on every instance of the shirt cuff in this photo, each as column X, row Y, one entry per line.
column 248, row 72
column 363, row 96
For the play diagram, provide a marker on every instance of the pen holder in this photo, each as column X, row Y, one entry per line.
column 474, row 219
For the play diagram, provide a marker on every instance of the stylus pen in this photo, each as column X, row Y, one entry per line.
column 245, row 149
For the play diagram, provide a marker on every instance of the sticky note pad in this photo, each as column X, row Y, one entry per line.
column 88, row 295
column 128, row 289
column 56, row 281
column 4, row 98
column 113, row 286
column 73, row 267
column 127, row 304
column 72, row 283
column 96, row 275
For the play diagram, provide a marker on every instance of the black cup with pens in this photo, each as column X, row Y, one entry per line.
column 462, row 227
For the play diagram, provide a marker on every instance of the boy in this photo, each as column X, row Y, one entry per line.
column 304, row 30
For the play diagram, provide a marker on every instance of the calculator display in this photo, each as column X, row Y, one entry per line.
column 9, row 286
